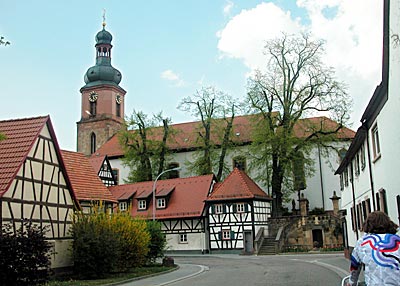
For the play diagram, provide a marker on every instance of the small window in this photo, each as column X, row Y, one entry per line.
column 161, row 203
column 346, row 176
column 142, row 204
column 357, row 165
column 123, row 206
column 240, row 163
column 219, row 209
column 381, row 204
column 240, row 208
column 341, row 182
column 375, row 142
column 183, row 238
column 226, row 235
column 342, row 153
column 362, row 157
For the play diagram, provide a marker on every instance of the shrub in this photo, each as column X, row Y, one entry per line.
column 24, row 256
column 157, row 241
column 108, row 243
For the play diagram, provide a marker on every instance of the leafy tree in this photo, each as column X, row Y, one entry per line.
column 294, row 84
column 4, row 42
column 24, row 256
column 158, row 241
column 2, row 136
column 145, row 145
column 216, row 112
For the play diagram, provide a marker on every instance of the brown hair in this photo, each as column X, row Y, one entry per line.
column 379, row 222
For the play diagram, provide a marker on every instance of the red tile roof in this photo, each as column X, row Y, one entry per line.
column 186, row 134
column 21, row 135
column 85, row 182
column 238, row 185
column 97, row 162
column 187, row 199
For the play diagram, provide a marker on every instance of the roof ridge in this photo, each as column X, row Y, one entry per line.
column 25, row 118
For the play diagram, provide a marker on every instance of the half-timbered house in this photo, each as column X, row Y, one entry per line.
column 34, row 186
column 237, row 210
column 179, row 207
column 86, row 184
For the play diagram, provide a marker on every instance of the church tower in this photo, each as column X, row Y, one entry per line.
column 102, row 107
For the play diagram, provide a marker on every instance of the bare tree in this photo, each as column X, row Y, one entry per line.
column 295, row 84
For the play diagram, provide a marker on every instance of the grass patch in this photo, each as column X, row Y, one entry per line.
column 134, row 273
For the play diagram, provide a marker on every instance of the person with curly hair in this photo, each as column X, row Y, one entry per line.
column 378, row 250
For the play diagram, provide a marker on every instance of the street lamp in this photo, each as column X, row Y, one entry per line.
column 154, row 188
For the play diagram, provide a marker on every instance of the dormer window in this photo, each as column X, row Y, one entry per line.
column 142, row 205
column 161, row 204
column 123, row 206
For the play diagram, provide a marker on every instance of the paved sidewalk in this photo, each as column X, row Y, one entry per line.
column 183, row 272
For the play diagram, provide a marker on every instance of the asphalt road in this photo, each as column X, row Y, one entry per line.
column 305, row 270
column 237, row 270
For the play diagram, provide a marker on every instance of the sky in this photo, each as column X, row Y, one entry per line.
column 166, row 50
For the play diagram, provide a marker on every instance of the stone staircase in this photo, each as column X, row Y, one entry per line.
column 268, row 247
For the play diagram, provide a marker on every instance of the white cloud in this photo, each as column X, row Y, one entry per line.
column 228, row 7
column 353, row 39
column 170, row 75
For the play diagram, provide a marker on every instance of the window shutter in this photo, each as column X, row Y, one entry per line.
column 219, row 235
column 212, row 209
column 234, row 208
column 224, row 209
column 246, row 208
column 232, row 236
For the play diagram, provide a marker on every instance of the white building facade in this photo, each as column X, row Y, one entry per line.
column 369, row 171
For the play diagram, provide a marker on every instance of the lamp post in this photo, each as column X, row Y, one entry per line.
column 154, row 188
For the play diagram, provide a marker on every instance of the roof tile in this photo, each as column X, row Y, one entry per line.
column 84, row 180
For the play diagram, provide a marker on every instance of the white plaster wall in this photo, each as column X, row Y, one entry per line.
column 313, row 191
column 195, row 241
column 386, row 169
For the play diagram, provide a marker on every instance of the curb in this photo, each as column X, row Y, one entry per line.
column 141, row 277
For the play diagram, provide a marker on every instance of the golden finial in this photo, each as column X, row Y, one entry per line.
column 104, row 18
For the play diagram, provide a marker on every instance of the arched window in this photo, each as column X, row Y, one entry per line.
column 93, row 107
column 240, row 163
column 92, row 143
column 172, row 174
column 118, row 109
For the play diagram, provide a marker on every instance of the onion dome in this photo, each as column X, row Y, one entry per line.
column 103, row 72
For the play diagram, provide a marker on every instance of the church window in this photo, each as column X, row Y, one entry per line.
column 93, row 107
column 116, row 175
column 118, row 109
column 172, row 174
column 240, row 163
column 92, row 143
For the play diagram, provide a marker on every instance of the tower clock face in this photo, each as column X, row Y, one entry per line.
column 118, row 99
column 93, row 96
